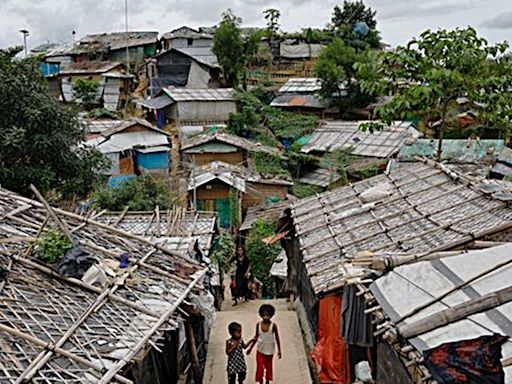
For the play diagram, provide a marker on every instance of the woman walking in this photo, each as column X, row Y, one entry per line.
column 243, row 270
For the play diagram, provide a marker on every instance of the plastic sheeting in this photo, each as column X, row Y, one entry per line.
column 331, row 352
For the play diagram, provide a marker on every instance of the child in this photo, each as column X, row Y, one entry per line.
column 267, row 336
column 254, row 288
column 234, row 350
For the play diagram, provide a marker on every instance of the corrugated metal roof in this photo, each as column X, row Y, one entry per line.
column 320, row 177
column 186, row 33
column 89, row 67
column 203, row 94
column 427, row 280
column 459, row 151
column 301, row 84
column 101, row 125
column 299, row 100
column 158, row 102
column 203, row 55
column 346, row 135
column 119, row 40
column 226, row 138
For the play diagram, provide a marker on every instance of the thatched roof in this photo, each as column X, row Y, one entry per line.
column 419, row 207
column 57, row 329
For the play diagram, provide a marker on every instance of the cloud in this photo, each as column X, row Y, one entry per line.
column 501, row 21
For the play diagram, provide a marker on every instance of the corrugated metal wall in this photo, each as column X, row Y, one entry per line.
column 205, row 110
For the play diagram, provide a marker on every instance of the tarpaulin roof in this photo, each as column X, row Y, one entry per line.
column 346, row 135
column 413, row 286
column 299, row 100
column 458, row 151
column 417, row 207
column 300, row 51
column 158, row 102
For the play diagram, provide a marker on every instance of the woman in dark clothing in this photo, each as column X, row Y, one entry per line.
column 243, row 269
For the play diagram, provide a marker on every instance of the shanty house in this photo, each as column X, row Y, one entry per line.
column 419, row 207
column 336, row 135
column 108, row 311
column 206, row 148
column 133, row 147
column 185, row 37
column 113, row 46
column 190, row 67
column 444, row 312
column 301, row 95
column 186, row 107
column 230, row 190
column 111, row 77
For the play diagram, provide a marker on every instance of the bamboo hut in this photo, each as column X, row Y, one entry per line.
column 418, row 207
column 453, row 298
column 89, row 318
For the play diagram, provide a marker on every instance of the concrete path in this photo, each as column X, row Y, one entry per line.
column 291, row 369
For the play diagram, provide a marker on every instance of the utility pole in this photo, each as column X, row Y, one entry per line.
column 25, row 34
column 127, row 37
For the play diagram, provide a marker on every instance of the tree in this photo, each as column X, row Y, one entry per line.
column 39, row 136
column 85, row 92
column 228, row 45
column 232, row 50
column 272, row 16
column 356, row 25
column 429, row 74
column 337, row 70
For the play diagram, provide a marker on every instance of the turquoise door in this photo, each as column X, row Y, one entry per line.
column 223, row 210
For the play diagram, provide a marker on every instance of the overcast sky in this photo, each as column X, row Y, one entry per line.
column 399, row 20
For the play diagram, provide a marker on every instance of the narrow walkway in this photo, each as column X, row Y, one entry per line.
column 291, row 369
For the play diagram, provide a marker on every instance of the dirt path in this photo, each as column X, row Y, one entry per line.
column 291, row 369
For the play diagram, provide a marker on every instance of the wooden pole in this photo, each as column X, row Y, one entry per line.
column 50, row 211
column 194, row 359
column 456, row 288
column 163, row 319
column 458, row 312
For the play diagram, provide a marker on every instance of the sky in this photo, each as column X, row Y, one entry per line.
column 398, row 20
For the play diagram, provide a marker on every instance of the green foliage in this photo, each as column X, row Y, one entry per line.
column 337, row 68
column 345, row 19
column 232, row 50
column 85, row 92
column 369, row 170
column 261, row 255
column 234, row 208
column 272, row 16
column 224, row 250
column 265, row 163
column 508, row 178
column 254, row 114
column 429, row 74
column 104, row 113
column 52, row 245
column 39, row 136
column 305, row 190
column 141, row 193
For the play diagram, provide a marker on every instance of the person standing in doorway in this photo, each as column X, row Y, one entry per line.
column 266, row 339
column 243, row 270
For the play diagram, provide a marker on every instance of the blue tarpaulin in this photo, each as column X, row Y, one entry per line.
column 49, row 69
column 118, row 181
column 155, row 160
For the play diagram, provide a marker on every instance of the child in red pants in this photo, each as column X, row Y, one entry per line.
column 266, row 338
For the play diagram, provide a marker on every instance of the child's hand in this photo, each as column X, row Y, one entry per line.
column 249, row 351
column 279, row 355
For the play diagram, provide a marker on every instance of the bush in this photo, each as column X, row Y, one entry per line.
column 261, row 255
column 305, row 190
column 52, row 245
column 225, row 248
column 142, row 193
